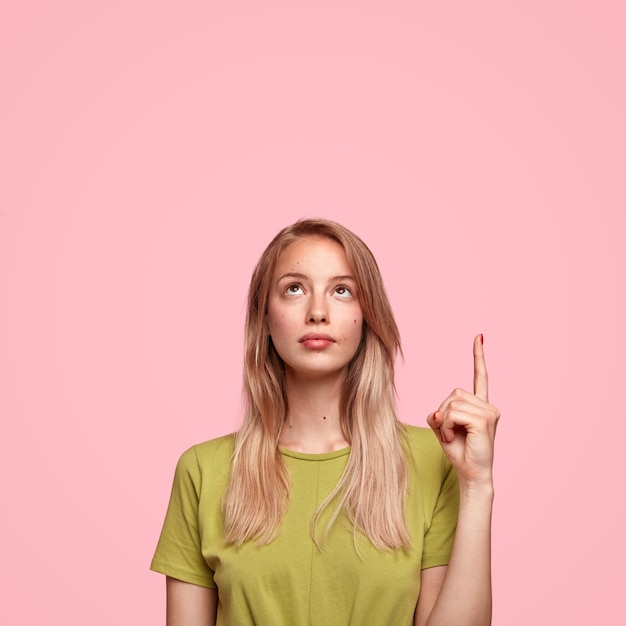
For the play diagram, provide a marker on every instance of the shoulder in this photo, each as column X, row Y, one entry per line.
column 421, row 439
column 209, row 457
column 215, row 449
column 424, row 451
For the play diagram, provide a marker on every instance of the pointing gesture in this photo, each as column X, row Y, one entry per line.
column 480, row 370
column 465, row 425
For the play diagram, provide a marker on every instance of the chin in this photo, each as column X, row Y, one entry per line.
column 317, row 372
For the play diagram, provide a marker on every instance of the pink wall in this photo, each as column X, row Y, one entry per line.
column 148, row 152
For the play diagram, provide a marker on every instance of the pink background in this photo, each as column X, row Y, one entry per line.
column 150, row 150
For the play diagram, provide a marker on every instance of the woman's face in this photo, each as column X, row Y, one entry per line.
column 313, row 314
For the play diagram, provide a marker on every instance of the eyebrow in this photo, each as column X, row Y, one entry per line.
column 300, row 276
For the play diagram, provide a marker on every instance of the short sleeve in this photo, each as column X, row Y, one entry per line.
column 439, row 536
column 179, row 551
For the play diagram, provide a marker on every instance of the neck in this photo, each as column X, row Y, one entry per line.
column 313, row 423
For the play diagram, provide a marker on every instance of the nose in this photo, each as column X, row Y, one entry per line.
column 318, row 311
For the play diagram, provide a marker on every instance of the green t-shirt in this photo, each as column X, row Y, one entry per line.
column 290, row 582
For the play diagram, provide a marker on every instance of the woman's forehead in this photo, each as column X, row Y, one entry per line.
column 313, row 254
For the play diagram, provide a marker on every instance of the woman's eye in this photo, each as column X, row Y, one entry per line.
column 343, row 291
column 294, row 288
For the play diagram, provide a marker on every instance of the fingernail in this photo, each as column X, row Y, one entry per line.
column 481, row 339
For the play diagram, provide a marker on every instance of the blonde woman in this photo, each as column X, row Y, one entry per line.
column 323, row 508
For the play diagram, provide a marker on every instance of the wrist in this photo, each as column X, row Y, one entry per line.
column 481, row 490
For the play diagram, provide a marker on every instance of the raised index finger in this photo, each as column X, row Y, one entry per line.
column 480, row 370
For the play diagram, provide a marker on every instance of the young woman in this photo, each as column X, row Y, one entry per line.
column 323, row 508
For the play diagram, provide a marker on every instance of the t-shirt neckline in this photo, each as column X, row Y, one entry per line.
column 308, row 456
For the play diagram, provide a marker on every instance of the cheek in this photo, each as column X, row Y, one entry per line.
column 276, row 321
column 353, row 330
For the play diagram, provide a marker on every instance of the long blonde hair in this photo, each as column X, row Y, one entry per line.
column 372, row 489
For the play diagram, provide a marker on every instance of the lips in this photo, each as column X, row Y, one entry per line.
column 316, row 340
column 314, row 336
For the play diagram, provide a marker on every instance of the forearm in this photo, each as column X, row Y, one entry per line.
column 465, row 596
